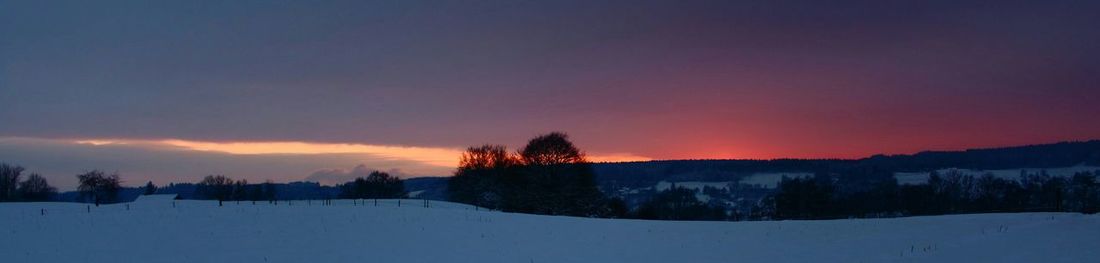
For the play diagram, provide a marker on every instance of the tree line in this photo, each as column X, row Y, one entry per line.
column 874, row 192
column 377, row 185
column 99, row 187
column 33, row 188
column 830, row 196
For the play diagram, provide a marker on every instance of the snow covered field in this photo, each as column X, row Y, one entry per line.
column 200, row 231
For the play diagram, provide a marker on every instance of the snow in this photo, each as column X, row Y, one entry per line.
column 1014, row 174
column 165, row 198
column 201, row 231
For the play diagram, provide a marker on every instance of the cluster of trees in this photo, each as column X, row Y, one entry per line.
column 223, row 188
column 94, row 186
column 101, row 188
column 33, row 188
column 377, row 185
column 877, row 195
column 548, row 176
column 678, row 203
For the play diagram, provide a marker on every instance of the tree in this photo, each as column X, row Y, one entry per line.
column 98, row 187
column 678, row 203
column 267, row 191
column 558, row 179
column 617, row 208
column 215, row 187
column 9, row 180
column 377, row 185
column 150, row 188
column 240, row 190
column 802, row 198
column 35, row 188
column 481, row 176
column 1084, row 193
column 551, row 150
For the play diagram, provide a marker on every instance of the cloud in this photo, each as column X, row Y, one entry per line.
column 59, row 160
column 616, row 157
column 339, row 176
column 431, row 155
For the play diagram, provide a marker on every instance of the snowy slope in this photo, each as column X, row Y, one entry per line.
column 200, row 231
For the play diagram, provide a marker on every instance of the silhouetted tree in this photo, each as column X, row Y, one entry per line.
column 150, row 188
column 803, row 198
column 558, row 179
column 98, row 187
column 377, row 185
column 240, row 190
column 267, row 191
column 9, row 182
column 483, row 176
column 616, row 208
column 35, row 188
column 678, row 203
column 1084, row 193
column 215, row 187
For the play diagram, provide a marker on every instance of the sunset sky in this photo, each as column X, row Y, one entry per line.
column 286, row 90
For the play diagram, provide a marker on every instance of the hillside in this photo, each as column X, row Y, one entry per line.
column 1055, row 155
column 200, row 231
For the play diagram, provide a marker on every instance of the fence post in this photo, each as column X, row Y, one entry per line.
column 398, row 202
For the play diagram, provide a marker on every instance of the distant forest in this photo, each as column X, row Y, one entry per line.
column 1033, row 156
column 552, row 176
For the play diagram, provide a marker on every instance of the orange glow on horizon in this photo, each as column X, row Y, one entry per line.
column 438, row 156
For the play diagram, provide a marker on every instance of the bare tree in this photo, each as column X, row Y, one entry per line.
column 35, row 188
column 9, row 180
column 217, row 187
column 481, row 176
column 99, row 187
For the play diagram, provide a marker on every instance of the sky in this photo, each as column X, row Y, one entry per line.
column 287, row 90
